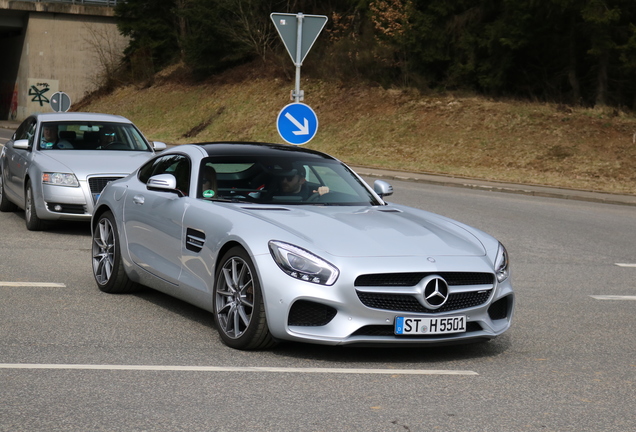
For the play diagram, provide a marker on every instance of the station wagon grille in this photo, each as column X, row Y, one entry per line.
column 97, row 184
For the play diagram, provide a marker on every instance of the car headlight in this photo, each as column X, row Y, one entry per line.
column 301, row 264
column 502, row 265
column 60, row 179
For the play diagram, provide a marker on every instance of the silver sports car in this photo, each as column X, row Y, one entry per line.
column 56, row 165
column 285, row 243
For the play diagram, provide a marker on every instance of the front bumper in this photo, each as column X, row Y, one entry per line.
column 345, row 314
column 71, row 203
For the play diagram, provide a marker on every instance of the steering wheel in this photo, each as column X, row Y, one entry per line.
column 314, row 197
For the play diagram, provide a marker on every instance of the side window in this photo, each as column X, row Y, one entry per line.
column 31, row 133
column 177, row 165
column 26, row 130
column 145, row 172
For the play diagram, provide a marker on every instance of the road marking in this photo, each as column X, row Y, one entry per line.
column 33, row 284
column 613, row 297
column 625, row 264
column 235, row 369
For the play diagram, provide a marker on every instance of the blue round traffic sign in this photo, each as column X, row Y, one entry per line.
column 297, row 123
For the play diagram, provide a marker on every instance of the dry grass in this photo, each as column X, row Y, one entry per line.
column 591, row 149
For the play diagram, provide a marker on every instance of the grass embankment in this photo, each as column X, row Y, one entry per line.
column 467, row 136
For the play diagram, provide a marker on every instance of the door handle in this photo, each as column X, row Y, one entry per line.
column 139, row 199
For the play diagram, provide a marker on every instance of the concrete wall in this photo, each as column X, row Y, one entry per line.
column 64, row 53
column 58, row 51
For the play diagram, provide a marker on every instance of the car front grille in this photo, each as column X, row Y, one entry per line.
column 408, row 303
column 97, row 184
column 412, row 279
column 397, row 302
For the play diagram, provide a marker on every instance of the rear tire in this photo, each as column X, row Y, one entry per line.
column 33, row 222
column 108, row 268
column 239, row 310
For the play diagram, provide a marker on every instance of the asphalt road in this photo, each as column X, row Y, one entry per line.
column 5, row 134
column 75, row 359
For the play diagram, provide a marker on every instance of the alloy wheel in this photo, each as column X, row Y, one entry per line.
column 103, row 251
column 235, row 297
column 28, row 207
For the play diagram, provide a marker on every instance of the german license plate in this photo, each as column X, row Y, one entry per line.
column 419, row 325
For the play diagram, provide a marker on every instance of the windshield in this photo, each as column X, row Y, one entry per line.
column 84, row 135
column 282, row 181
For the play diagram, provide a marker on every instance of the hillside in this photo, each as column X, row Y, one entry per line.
column 459, row 135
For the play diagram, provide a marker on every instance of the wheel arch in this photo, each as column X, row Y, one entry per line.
column 27, row 180
column 226, row 247
column 97, row 213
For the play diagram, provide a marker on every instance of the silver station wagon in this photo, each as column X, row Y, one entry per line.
column 56, row 165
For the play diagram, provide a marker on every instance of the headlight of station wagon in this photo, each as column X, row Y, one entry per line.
column 60, row 179
column 502, row 269
column 301, row 264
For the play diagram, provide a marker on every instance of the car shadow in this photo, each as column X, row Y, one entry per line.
column 342, row 354
column 394, row 354
column 176, row 306
column 82, row 228
column 70, row 228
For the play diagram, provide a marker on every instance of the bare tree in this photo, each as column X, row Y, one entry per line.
column 108, row 46
column 251, row 26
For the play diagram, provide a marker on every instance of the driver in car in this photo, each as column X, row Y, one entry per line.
column 50, row 138
column 106, row 136
column 293, row 183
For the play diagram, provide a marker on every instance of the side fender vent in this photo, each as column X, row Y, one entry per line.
column 194, row 240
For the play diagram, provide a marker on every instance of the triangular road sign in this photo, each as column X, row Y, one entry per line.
column 287, row 27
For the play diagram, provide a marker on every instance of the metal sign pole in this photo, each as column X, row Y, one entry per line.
column 297, row 123
column 299, row 40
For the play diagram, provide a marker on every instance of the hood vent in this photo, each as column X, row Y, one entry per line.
column 266, row 208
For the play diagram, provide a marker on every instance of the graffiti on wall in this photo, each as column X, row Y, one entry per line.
column 39, row 93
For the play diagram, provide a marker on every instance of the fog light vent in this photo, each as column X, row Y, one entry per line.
column 307, row 313
column 499, row 309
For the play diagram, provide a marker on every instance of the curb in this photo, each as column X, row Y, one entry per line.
column 492, row 186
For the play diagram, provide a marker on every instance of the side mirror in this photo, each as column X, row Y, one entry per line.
column 163, row 183
column 158, row 145
column 22, row 144
column 382, row 188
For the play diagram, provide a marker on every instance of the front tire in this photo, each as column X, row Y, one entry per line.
column 108, row 268
column 33, row 222
column 239, row 310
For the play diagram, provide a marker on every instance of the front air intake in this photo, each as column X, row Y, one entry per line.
column 310, row 314
column 499, row 309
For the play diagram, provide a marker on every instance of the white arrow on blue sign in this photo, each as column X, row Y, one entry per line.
column 297, row 123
